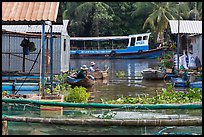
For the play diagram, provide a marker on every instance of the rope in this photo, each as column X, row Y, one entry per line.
column 29, row 72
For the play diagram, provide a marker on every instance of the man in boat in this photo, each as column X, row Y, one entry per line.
column 82, row 73
column 91, row 68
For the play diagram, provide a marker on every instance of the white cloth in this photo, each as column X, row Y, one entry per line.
column 182, row 61
column 191, row 63
column 91, row 69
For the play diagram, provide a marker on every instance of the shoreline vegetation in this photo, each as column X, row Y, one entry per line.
column 166, row 96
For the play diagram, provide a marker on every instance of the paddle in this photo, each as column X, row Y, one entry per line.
column 107, row 69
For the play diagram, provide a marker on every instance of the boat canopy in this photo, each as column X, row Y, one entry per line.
column 100, row 38
column 105, row 38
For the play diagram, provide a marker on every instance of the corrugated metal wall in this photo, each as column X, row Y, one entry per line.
column 12, row 54
column 65, row 53
column 56, row 55
column 11, row 49
column 197, row 47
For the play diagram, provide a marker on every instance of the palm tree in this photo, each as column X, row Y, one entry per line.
column 92, row 15
column 158, row 19
column 195, row 12
column 190, row 10
column 141, row 11
column 68, row 13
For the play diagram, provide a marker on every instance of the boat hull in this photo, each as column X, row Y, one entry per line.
column 153, row 74
column 85, row 82
column 99, row 74
column 149, row 54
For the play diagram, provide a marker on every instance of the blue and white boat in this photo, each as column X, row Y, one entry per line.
column 137, row 47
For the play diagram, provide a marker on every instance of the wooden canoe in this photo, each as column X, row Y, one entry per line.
column 99, row 74
column 85, row 82
column 152, row 74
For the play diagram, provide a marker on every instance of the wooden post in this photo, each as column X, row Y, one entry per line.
column 4, row 128
column 23, row 62
column 13, row 90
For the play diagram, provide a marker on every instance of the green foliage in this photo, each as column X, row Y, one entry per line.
column 118, row 18
column 166, row 60
column 120, row 74
column 4, row 93
column 59, row 89
column 167, row 63
column 166, row 96
column 61, row 78
column 76, row 95
column 107, row 115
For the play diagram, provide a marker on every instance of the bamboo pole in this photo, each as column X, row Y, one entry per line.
column 101, row 105
column 4, row 127
column 107, row 122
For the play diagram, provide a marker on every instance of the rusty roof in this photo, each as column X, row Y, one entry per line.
column 31, row 12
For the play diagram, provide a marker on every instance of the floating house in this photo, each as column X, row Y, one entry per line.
column 12, row 52
column 190, row 32
column 30, row 13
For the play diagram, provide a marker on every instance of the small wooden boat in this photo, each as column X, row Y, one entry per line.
column 88, row 81
column 196, row 84
column 99, row 74
column 179, row 82
column 152, row 74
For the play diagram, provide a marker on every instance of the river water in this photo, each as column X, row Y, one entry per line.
column 131, row 84
column 112, row 88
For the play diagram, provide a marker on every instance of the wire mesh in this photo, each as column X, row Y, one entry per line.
column 30, row 110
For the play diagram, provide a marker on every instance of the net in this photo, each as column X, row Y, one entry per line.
column 52, row 128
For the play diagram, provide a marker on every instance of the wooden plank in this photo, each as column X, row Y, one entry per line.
column 4, row 127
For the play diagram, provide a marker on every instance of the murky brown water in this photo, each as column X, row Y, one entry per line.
column 131, row 84
column 112, row 88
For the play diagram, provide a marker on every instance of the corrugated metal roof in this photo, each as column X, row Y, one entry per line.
column 186, row 26
column 35, row 28
column 30, row 12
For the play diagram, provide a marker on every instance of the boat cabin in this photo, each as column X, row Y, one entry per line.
column 140, row 40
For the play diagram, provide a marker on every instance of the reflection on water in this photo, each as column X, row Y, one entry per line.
column 131, row 84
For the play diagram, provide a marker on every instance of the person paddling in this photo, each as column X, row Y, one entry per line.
column 82, row 73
